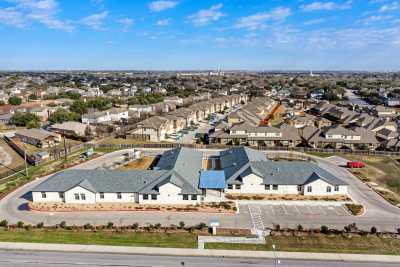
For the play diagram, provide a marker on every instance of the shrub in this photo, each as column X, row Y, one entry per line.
column 87, row 226
column 20, row 224
column 63, row 224
column 40, row 225
column 181, row 224
column 110, row 225
column 299, row 227
column 324, row 229
column 135, row 226
column 28, row 227
column 201, row 226
column 355, row 209
column 157, row 226
column 277, row 227
column 374, row 230
column 3, row 223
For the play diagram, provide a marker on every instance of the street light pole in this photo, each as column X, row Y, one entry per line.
column 276, row 260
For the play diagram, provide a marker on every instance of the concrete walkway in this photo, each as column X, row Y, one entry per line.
column 198, row 252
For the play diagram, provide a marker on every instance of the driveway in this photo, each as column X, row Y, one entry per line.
column 379, row 213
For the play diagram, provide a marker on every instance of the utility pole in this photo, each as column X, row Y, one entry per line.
column 26, row 165
column 65, row 146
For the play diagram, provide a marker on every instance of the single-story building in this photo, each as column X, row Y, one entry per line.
column 180, row 178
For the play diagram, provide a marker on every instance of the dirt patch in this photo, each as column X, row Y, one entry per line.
column 9, row 159
column 286, row 197
column 223, row 207
column 141, row 164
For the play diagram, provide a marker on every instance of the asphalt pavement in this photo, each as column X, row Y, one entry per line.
column 62, row 259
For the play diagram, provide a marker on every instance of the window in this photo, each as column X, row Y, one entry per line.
column 154, row 197
column 267, row 187
column 230, row 186
column 145, row 197
column 299, row 188
column 194, row 197
column 101, row 195
column 237, row 186
column 309, row 189
column 185, row 197
column 44, row 195
column 328, row 189
column 76, row 196
column 275, row 187
column 119, row 195
column 61, row 195
column 336, row 188
column 83, row 197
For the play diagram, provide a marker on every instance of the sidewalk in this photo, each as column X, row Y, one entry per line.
column 198, row 252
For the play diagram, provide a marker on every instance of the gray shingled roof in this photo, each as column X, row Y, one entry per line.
column 241, row 161
column 108, row 181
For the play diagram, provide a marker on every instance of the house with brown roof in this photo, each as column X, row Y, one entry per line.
column 38, row 137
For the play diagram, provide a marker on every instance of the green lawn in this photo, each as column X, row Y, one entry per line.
column 176, row 240
column 322, row 244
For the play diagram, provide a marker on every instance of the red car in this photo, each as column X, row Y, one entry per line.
column 355, row 164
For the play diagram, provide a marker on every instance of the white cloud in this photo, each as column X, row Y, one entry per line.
column 41, row 11
column 126, row 23
column 163, row 22
column 317, row 6
column 161, row 5
column 205, row 16
column 95, row 21
column 12, row 17
column 390, row 7
column 374, row 19
column 257, row 21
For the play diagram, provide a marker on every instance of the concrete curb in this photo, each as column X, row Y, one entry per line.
column 198, row 253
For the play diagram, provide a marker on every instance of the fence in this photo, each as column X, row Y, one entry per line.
column 220, row 146
column 9, row 171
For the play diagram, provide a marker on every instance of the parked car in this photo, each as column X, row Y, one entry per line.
column 355, row 164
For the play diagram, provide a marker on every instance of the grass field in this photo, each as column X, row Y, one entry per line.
column 336, row 244
column 384, row 171
column 176, row 240
column 320, row 243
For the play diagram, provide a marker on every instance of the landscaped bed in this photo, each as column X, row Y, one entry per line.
column 341, row 198
column 223, row 207
column 355, row 209
column 140, row 164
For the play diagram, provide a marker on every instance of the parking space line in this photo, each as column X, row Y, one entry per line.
column 297, row 209
column 322, row 209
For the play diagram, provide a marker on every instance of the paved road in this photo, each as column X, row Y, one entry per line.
column 51, row 259
column 379, row 213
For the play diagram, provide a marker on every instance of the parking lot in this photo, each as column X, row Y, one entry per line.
column 287, row 211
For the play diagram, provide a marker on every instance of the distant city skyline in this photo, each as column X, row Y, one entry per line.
column 200, row 35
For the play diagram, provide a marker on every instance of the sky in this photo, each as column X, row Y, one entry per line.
column 200, row 34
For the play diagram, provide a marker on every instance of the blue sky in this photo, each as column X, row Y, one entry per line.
column 200, row 34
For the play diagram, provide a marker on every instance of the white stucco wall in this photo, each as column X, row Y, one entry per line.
column 70, row 195
column 113, row 197
column 50, row 197
column 319, row 188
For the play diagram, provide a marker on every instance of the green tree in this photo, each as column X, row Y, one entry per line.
column 25, row 119
column 2, row 103
column 79, row 107
column 99, row 103
column 33, row 97
column 15, row 101
column 62, row 115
